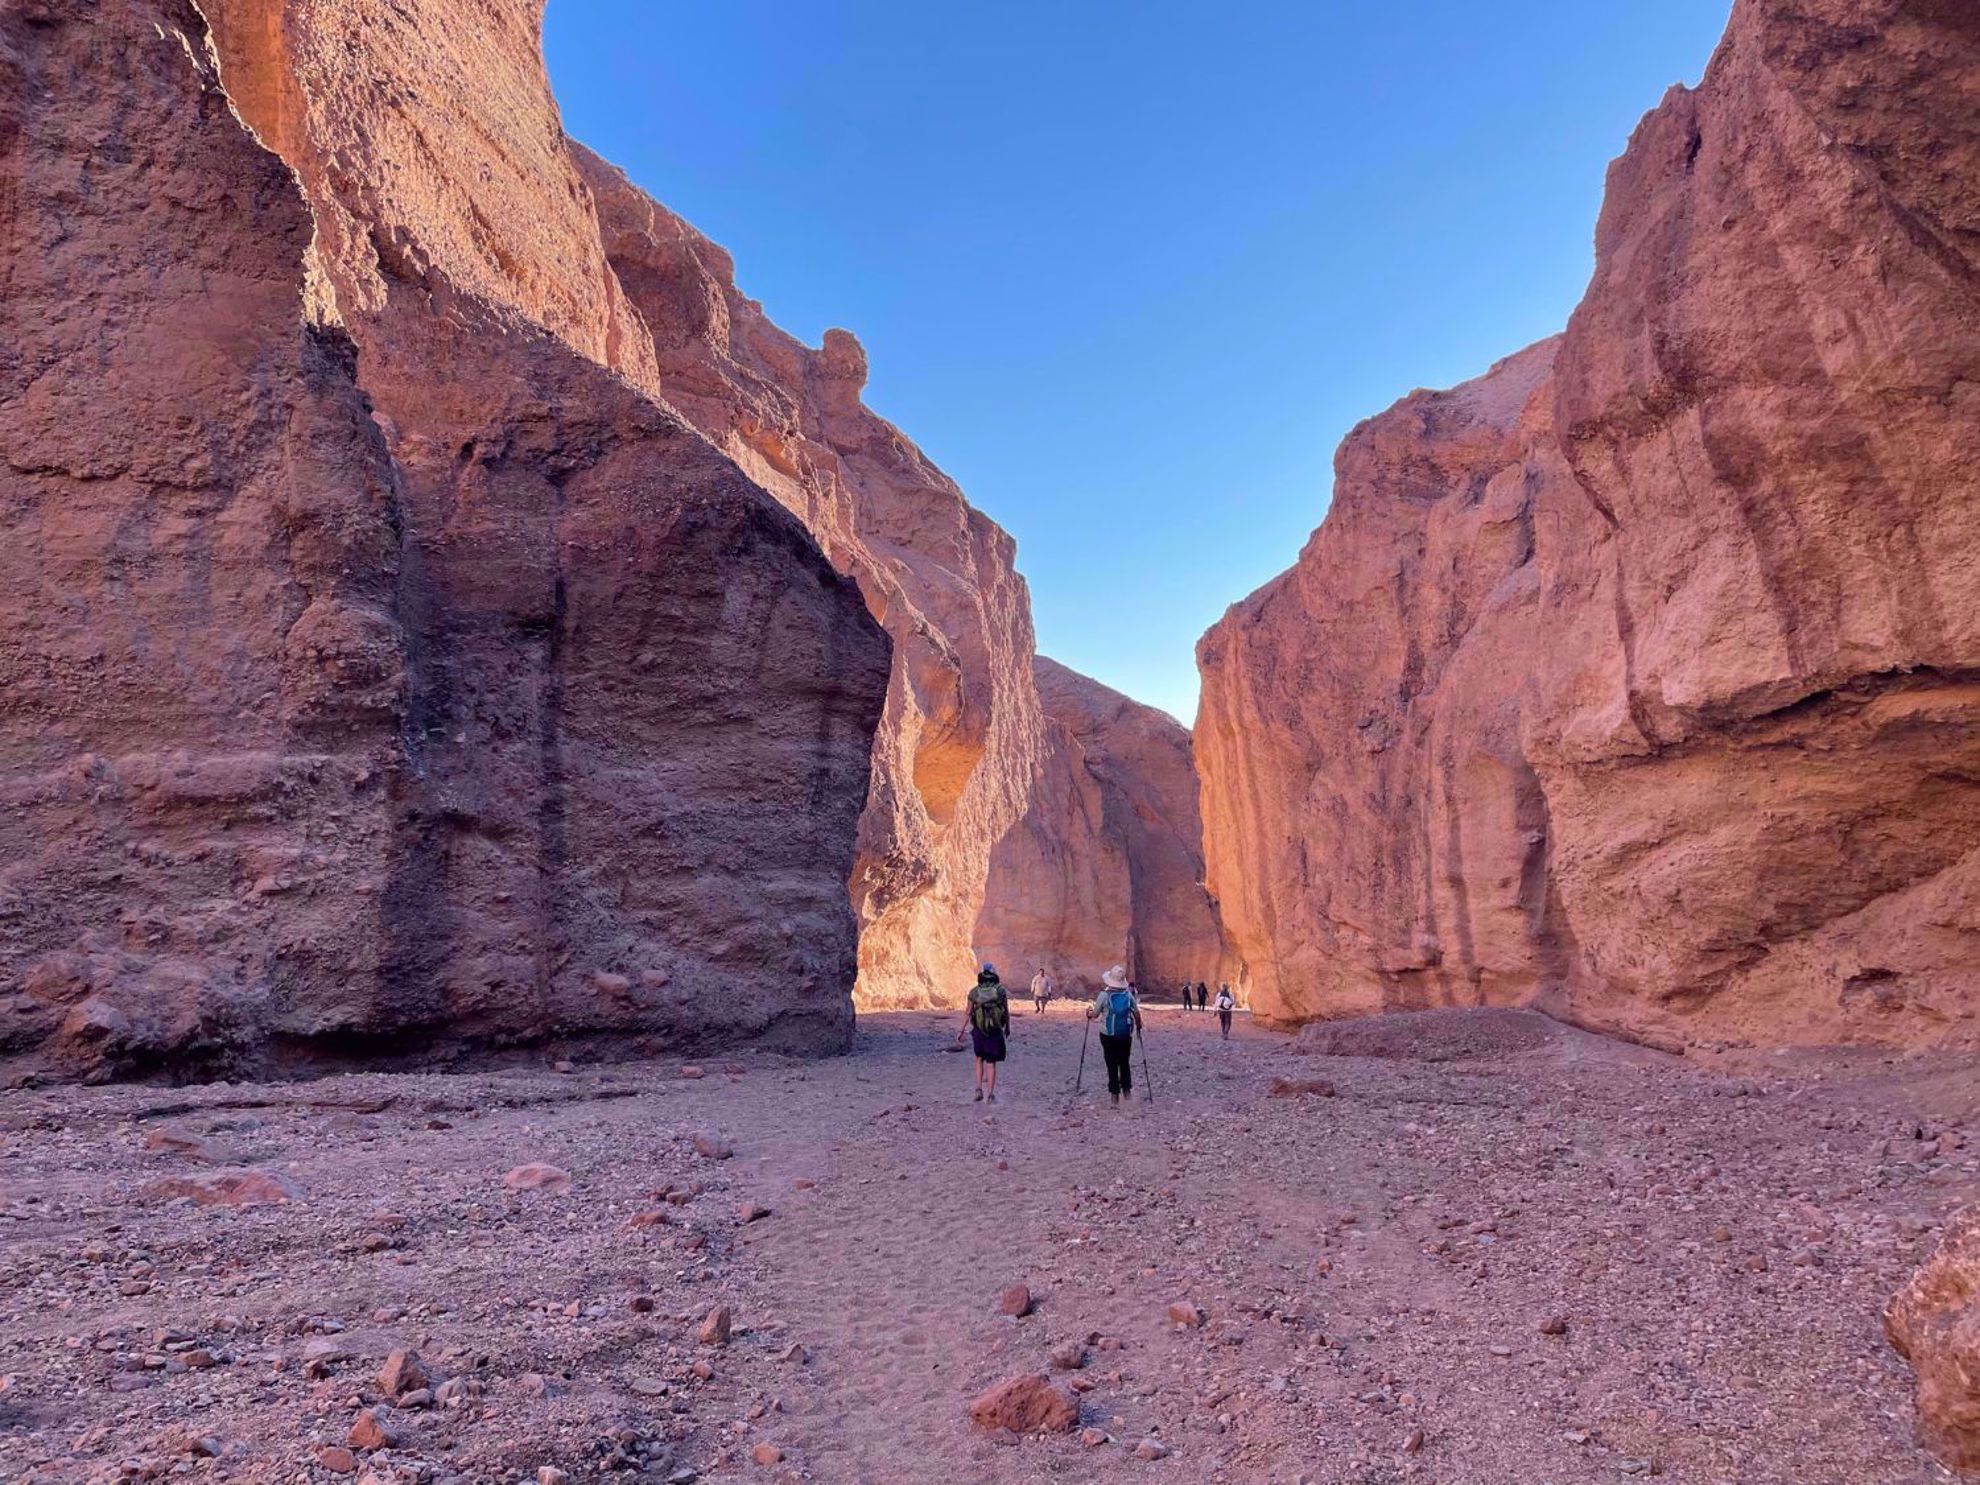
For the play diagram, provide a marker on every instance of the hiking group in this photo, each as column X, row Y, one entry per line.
column 987, row 1025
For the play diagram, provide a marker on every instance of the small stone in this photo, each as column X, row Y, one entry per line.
column 538, row 1176
column 369, row 1433
column 752, row 1212
column 1186, row 1315
column 691, row 1072
column 1554, row 1325
column 767, row 1454
column 1413, row 1444
column 715, row 1326
column 1015, row 1302
column 712, row 1147
column 1067, row 1356
column 1093, row 1438
column 403, row 1372
column 1502, row 1352
column 1026, row 1404
column 1151, row 1448
column 338, row 1461
column 551, row 1475
column 1301, row 1088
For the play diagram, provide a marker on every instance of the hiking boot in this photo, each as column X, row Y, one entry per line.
column 991, row 1096
column 978, row 1097
column 1114, row 1096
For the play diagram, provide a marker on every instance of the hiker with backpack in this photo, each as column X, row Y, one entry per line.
column 1118, row 1011
column 1226, row 1003
column 987, row 1020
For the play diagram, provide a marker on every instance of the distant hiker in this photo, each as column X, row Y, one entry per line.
column 1202, row 995
column 1041, row 991
column 1119, row 1014
column 1225, row 1005
column 987, row 1019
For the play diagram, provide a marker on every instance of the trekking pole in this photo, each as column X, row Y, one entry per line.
column 1147, row 1083
column 1080, row 1076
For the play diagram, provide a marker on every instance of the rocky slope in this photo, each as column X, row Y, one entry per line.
column 387, row 676
column 954, row 758
column 1640, row 678
column 1107, row 865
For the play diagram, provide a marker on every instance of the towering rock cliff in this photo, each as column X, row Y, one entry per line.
column 1640, row 679
column 1106, row 866
column 433, row 153
column 387, row 676
column 953, row 762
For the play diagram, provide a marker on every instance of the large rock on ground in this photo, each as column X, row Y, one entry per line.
column 954, row 758
column 1107, row 865
column 1934, row 1322
column 1637, row 679
column 533, row 716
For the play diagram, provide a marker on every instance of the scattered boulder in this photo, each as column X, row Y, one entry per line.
column 337, row 1460
column 1067, row 1356
column 225, row 1188
column 1934, row 1322
column 538, row 1176
column 403, row 1372
column 1186, row 1315
column 767, row 1454
column 715, row 1326
column 1152, row 1448
column 752, row 1212
column 1015, row 1301
column 1026, row 1404
column 369, row 1432
column 713, row 1147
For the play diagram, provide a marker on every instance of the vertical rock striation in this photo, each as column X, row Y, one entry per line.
column 1640, row 678
column 390, row 676
column 1107, row 865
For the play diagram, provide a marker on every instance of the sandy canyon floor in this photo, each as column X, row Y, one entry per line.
column 1379, row 1270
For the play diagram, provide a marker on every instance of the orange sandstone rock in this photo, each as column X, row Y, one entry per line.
column 1636, row 679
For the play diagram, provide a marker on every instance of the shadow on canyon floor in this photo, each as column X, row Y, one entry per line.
column 1538, row 1264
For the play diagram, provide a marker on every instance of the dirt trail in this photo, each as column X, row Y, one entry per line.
column 1375, row 1267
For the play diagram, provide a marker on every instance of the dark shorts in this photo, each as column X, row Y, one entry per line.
column 989, row 1045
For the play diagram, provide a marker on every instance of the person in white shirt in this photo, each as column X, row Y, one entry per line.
column 1041, row 991
column 1226, row 1003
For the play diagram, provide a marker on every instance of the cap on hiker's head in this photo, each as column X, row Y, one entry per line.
column 1115, row 978
column 989, row 968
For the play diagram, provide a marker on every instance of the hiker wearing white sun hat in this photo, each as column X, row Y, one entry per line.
column 1118, row 1010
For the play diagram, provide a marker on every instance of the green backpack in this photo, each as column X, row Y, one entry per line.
column 988, row 1009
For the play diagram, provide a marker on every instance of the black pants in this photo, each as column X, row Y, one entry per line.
column 1119, row 1052
column 1225, row 1018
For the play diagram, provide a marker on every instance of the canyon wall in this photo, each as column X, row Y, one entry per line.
column 388, row 676
column 953, row 763
column 433, row 152
column 1640, row 679
column 1106, row 867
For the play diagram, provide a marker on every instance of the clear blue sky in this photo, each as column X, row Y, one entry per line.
column 1129, row 271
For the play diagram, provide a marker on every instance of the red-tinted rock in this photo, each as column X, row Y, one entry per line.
column 1028, row 1404
column 537, row 1176
column 226, row 1188
column 1107, row 865
column 1934, row 1322
column 953, row 761
column 386, row 673
column 1635, row 679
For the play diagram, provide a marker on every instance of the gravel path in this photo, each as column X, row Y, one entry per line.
column 1538, row 1259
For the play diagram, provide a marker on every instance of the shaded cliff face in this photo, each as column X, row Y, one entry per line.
column 1640, row 678
column 406, row 684
column 1107, row 865
column 954, row 758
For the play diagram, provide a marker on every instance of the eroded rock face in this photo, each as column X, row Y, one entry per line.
column 1640, row 678
column 1934, row 1322
column 1106, row 867
column 404, row 684
column 953, row 761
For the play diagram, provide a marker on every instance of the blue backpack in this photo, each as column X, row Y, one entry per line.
column 1118, row 1019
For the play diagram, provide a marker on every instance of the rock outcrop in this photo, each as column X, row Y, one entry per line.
column 1640, row 679
column 1106, row 867
column 1934, row 1322
column 387, row 676
column 954, row 758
